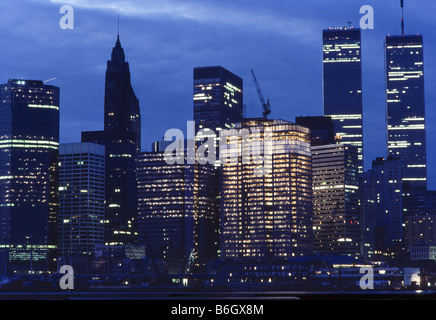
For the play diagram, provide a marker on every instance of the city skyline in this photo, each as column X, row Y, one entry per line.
column 266, row 48
column 198, row 148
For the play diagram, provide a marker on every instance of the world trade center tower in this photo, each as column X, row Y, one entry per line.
column 405, row 107
column 342, row 85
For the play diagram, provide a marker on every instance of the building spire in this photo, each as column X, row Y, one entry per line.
column 118, row 52
column 118, row 31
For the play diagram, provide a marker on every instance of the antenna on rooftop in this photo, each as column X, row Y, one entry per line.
column 49, row 80
column 402, row 17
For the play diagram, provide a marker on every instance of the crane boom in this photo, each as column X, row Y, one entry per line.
column 265, row 103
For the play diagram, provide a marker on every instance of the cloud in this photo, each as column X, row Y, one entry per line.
column 204, row 12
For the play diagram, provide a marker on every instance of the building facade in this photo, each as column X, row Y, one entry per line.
column 367, row 214
column 81, row 204
column 266, row 191
column 29, row 147
column 177, row 213
column 342, row 85
column 336, row 213
column 387, row 196
column 420, row 229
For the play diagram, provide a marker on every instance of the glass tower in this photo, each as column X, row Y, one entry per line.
column 342, row 85
column 29, row 147
column 122, row 140
column 405, row 108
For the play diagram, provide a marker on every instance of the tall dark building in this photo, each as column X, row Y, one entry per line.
column 342, row 85
column 218, row 105
column 405, row 108
column 122, row 140
column 387, row 193
column 29, row 147
column 382, row 209
column 177, row 212
column 367, row 213
column 218, row 99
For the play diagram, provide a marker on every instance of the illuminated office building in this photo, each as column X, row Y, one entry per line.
column 405, row 110
column 29, row 146
column 266, row 196
column 177, row 212
column 122, row 140
column 81, row 203
column 336, row 213
column 342, row 85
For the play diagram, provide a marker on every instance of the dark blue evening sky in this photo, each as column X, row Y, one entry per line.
column 165, row 39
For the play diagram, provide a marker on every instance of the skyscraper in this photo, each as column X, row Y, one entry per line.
column 177, row 212
column 405, row 108
column 29, row 147
column 218, row 99
column 122, row 140
column 336, row 214
column 218, row 105
column 81, row 203
column 387, row 195
column 342, row 85
column 266, row 196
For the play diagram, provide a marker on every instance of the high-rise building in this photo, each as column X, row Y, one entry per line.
column 336, row 213
column 387, row 195
column 266, row 191
column 218, row 105
column 122, row 140
column 29, row 146
column 405, row 108
column 322, row 129
column 81, row 203
column 177, row 212
column 218, row 100
column 342, row 85
column 405, row 113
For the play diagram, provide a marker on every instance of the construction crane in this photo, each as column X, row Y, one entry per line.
column 265, row 103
